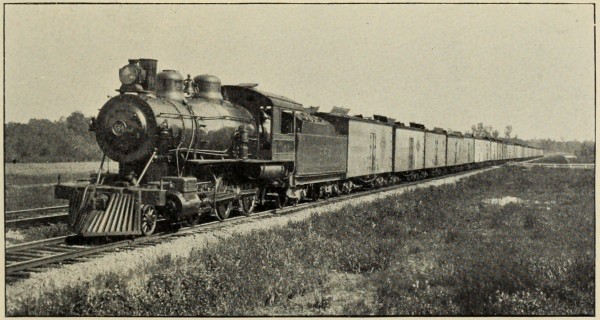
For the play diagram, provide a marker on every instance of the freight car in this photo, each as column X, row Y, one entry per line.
column 189, row 148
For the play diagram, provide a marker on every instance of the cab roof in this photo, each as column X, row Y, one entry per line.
column 247, row 95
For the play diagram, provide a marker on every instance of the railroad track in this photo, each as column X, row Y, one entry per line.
column 590, row 166
column 23, row 259
column 36, row 216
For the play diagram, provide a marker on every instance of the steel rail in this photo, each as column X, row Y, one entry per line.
column 36, row 244
column 27, row 222
column 50, row 259
column 35, row 216
column 559, row 165
column 78, row 252
column 35, row 210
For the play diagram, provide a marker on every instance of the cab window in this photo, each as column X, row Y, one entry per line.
column 287, row 122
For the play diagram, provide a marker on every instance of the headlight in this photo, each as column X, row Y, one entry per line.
column 130, row 74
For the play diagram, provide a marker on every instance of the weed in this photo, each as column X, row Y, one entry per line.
column 37, row 233
column 30, row 185
column 530, row 220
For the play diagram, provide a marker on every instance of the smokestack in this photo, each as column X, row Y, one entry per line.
column 149, row 65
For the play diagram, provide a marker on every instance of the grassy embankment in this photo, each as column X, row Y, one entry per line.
column 31, row 185
column 552, row 159
column 507, row 242
column 556, row 158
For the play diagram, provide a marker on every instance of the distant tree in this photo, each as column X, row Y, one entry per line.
column 78, row 122
column 586, row 152
column 42, row 140
column 481, row 130
column 508, row 131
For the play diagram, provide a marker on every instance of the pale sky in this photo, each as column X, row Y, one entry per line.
column 449, row 66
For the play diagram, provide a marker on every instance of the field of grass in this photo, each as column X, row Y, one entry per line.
column 511, row 241
column 561, row 159
column 30, row 185
column 551, row 159
column 15, row 236
column 588, row 159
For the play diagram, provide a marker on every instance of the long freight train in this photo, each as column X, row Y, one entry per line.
column 187, row 148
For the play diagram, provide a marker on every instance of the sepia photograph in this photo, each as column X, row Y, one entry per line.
column 299, row 159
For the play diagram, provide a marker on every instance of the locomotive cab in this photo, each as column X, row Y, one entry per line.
column 275, row 117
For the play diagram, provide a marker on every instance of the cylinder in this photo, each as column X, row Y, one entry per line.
column 271, row 171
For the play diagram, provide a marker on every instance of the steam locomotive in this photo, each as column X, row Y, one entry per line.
column 189, row 148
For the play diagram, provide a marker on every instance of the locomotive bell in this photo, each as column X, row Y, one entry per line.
column 209, row 87
column 189, row 87
column 169, row 85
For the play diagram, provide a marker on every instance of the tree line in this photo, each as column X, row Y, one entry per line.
column 584, row 150
column 42, row 140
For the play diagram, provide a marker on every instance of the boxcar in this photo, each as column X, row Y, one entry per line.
column 409, row 152
column 435, row 148
column 469, row 146
column 495, row 150
column 481, row 147
column 503, row 151
column 454, row 154
column 520, row 151
column 369, row 148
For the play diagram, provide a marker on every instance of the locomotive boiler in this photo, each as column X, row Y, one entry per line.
column 131, row 127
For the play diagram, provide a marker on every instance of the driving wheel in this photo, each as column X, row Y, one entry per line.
column 247, row 204
column 223, row 209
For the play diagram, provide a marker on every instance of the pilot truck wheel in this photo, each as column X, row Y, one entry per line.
column 149, row 220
